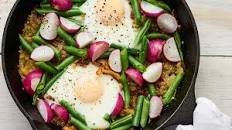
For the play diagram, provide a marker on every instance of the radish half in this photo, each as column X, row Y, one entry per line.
column 31, row 81
column 167, row 23
column 97, row 49
column 155, row 48
column 61, row 5
column 156, row 107
column 61, row 112
column 83, row 39
column 45, row 110
column 115, row 61
column 150, row 9
column 135, row 75
column 119, row 106
column 170, row 51
column 153, row 72
column 68, row 25
column 42, row 53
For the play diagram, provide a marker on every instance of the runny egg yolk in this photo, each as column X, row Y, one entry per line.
column 109, row 12
column 88, row 90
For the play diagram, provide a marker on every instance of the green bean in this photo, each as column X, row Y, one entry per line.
column 124, row 59
column 125, row 90
column 138, row 111
column 66, row 62
column 125, row 127
column 178, row 44
column 76, row 51
column 45, row 6
column 25, row 45
column 107, row 117
column 145, row 112
column 34, row 45
column 157, row 35
column 168, row 96
column 142, row 32
column 143, row 51
column 73, row 112
column 78, row 22
column 151, row 90
column 39, row 88
column 66, row 37
column 105, row 55
column 44, row 1
column 69, row 13
column 78, row 124
column 131, row 51
column 136, row 64
column 136, row 11
column 78, row 1
column 46, row 67
column 121, row 122
column 160, row 4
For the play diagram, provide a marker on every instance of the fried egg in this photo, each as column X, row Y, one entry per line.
column 110, row 20
column 91, row 94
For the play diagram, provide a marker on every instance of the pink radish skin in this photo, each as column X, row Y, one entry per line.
column 156, row 107
column 115, row 61
column 97, row 49
column 45, row 110
column 68, row 25
column 170, row 51
column 31, row 81
column 150, row 9
column 119, row 106
column 153, row 72
column 61, row 112
column 167, row 23
column 154, row 50
column 135, row 75
column 42, row 53
column 61, row 5
column 83, row 39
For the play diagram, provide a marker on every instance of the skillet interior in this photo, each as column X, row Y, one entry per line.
column 10, row 47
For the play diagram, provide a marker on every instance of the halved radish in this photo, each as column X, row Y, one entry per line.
column 84, row 38
column 45, row 110
column 119, row 106
column 153, row 72
column 155, row 48
column 135, row 75
column 68, row 25
column 42, row 53
column 61, row 5
column 48, row 28
column 31, row 81
column 61, row 112
column 115, row 61
column 156, row 107
column 167, row 23
column 97, row 49
column 170, row 51
column 150, row 9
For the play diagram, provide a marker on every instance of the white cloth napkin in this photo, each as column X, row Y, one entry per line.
column 207, row 116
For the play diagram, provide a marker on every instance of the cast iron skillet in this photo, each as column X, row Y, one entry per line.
column 189, row 35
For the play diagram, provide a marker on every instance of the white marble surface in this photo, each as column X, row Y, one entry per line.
column 214, row 22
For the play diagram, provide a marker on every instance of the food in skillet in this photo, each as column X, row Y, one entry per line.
column 100, row 64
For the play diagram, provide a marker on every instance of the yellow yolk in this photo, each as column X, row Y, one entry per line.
column 110, row 12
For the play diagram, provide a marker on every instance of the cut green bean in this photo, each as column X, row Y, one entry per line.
column 168, row 96
column 78, row 124
column 136, row 64
column 25, row 45
column 145, row 112
column 66, row 37
column 121, row 122
column 69, row 13
column 125, row 127
column 158, row 36
column 66, row 62
column 136, row 11
column 34, row 45
column 178, row 44
column 107, row 117
column 76, row 51
column 78, row 1
column 46, row 67
column 160, row 4
column 143, row 51
column 72, row 111
column 45, row 6
column 131, row 51
column 138, row 111
column 125, row 90
column 151, row 90
column 78, row 22
column 142, row 32
column 124, row 59
column 44, row 1
column 39, row 88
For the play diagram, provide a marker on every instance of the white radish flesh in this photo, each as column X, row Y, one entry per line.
column 150, row 9
column 155, row 48
column 83, row 39
column 119, row 106
column 42, row 53
column 61, row 5
column 45, row 110
column 167, row 23
column 97, row 49
column 153, row 72
column 68, row 25
column 61, row 112
column 135, row 75
column 156, row 107
column 170, row 51
column 115, row 61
